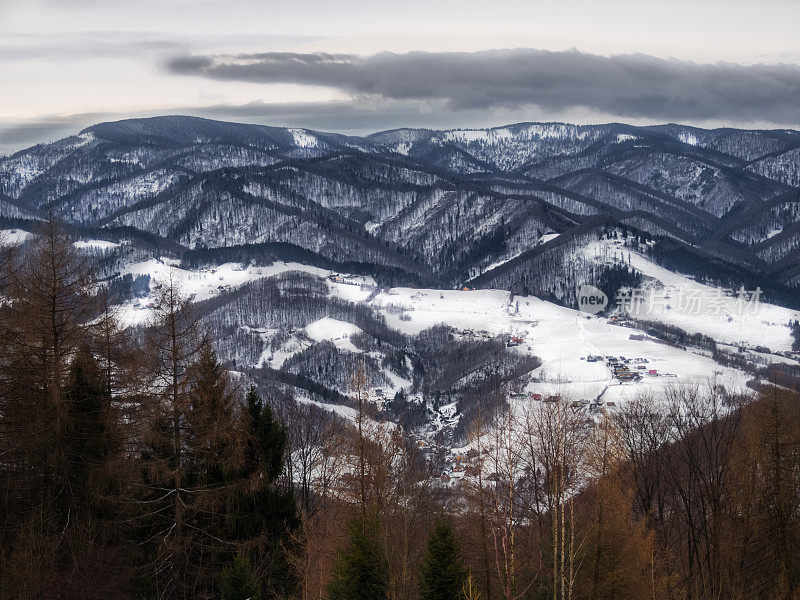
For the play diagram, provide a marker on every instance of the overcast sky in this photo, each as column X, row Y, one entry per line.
column 359, row 66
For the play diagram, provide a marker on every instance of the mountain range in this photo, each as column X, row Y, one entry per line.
column 508, row 207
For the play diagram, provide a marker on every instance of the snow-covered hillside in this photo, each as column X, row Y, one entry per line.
column 561, row 337
column 724, row 315
column 576, row 352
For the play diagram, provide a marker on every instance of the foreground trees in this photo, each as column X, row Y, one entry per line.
column 361, row 571
column 209, row 464
column 60, row 439
column 705, row 474
column 762, row 540
column 122, row 477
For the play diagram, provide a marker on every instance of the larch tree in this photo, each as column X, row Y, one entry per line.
column 44, row 319
column 763, row 536
column 171, row 492
column 60, row 438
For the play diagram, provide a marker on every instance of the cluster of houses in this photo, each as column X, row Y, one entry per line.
column 476, row 333
column 345, row 278
column 628, row 369
column 515, row 340
column 458, row 465
column 621, row 370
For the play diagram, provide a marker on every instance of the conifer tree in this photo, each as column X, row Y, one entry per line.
column 442, row 573
column 239, row 581
column 361, row 572
column 57, row 433
column 92, row 437
column 263, row 515
column 43, row 324
column 192, row 453
column 215, row 434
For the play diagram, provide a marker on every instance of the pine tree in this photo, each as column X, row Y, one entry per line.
column 361, row 573
column 442, row 573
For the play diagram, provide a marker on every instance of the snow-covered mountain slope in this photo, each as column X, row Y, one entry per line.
column 422, row 206
column 429, row 353
column 724, row 315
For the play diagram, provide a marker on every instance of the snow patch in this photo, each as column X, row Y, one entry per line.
column 333, row 330
column 304, row 138
column 13, row 237
column 95, row 245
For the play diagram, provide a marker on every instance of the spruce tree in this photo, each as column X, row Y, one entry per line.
column 263, row 515
column 442, row 573
column 92, row 437
column 215, row 435
column 238, row 580
column 267, row 439
column 361, row 573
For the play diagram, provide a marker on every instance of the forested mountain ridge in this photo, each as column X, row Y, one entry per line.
column 439, row 206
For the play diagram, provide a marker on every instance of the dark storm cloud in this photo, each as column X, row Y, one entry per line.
column 630, row 85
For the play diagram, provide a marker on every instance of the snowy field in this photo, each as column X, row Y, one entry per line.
column 95, row 245
column 696, row 308
column 562, row 338
column 203, row 284
column 13, row 237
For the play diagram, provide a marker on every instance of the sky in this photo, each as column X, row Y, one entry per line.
column 357, row 66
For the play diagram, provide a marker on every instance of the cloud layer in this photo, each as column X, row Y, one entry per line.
column 630, row 85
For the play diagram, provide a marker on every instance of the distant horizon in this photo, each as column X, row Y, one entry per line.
column 7, row 152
